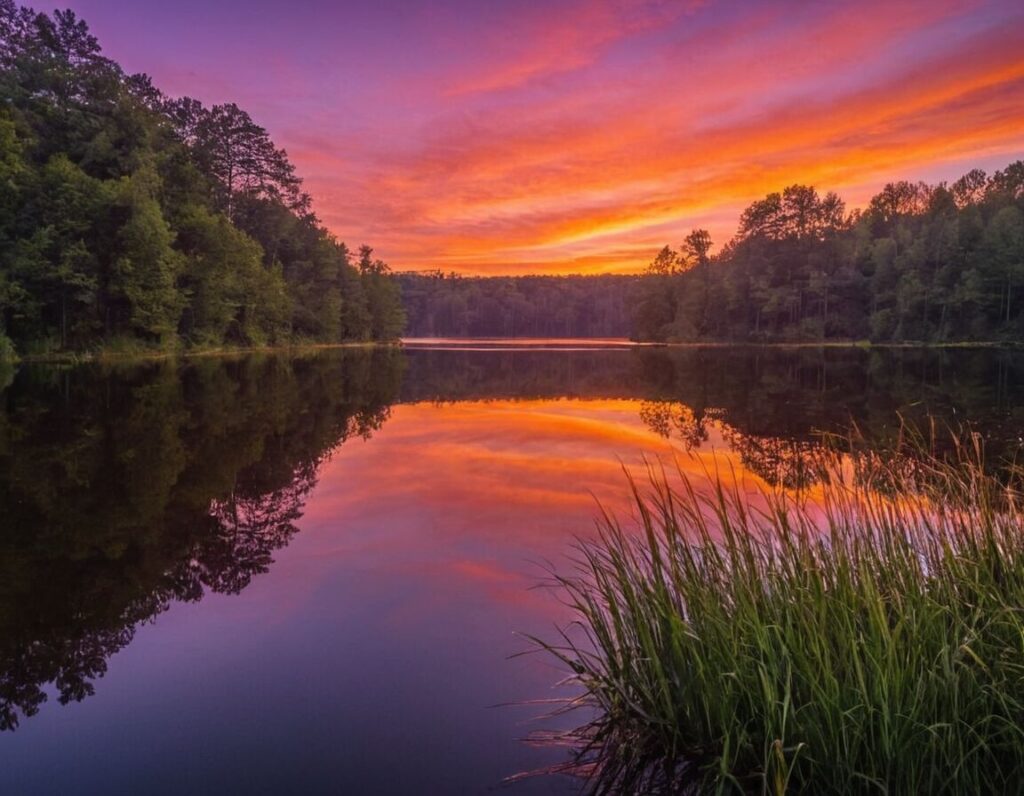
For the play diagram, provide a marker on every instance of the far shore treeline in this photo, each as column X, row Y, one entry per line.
column 132, row 220
column 922, row 263
column 449, row 305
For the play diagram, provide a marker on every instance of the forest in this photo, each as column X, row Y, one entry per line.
column 921, row 263
column 449, row 305
column 133, row 220
column 130, row 220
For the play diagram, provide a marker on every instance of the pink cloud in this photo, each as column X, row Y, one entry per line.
column 581, row 135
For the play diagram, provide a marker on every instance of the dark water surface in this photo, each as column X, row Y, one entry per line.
column 304, row 575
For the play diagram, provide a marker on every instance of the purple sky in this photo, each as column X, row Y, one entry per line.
column 572, row 136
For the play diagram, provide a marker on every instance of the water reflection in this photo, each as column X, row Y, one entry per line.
column 124, row 491
column 770, row 406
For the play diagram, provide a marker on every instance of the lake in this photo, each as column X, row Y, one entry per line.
column 307, row 573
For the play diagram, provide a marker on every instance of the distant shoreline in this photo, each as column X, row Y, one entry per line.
column 482, row 344
column 82, row 357
column 626, row 343
column 863, row 344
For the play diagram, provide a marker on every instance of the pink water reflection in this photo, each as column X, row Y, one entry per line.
column 370, row 652
column 468, row 498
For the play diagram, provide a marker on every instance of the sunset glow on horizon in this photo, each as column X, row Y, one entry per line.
column 580, row 137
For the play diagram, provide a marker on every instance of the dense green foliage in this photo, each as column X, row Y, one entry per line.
column 869, row 641
column 130, row 217
column 929, row 263
column 441, row 305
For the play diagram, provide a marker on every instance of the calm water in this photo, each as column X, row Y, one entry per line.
column 271, row 574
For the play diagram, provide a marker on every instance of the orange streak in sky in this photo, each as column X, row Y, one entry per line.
column 584, row 174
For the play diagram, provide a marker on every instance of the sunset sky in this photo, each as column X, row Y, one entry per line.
column 578, row 136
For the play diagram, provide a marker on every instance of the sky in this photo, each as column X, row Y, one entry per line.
column 581, row 136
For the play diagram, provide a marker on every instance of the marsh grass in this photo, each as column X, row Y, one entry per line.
column 866, row 638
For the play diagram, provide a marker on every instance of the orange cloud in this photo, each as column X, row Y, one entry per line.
column 591, row 157
column 582, row 135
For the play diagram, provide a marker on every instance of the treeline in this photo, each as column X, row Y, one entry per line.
column 128, row 217
column 439, row 305
column 928, row 263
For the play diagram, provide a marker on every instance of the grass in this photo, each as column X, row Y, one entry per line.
column 868, row 641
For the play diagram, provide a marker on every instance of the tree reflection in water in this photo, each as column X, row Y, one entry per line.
column 776, row 408
column 777, row 461
column 125, row 490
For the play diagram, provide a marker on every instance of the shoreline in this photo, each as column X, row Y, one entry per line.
column 101, row 355
column 862, row 344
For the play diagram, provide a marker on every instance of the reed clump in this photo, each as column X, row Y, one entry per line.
column 868, row 637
